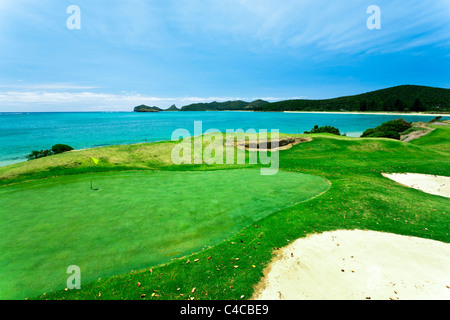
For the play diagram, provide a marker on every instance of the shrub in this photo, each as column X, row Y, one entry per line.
column 390, row 129
column 57, row 148
column 325, row 129
column 60, row 148
column 387, row 134
column 39, row 154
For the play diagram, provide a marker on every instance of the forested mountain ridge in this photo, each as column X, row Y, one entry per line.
column 407, row 98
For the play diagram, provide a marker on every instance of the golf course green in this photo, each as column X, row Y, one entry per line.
column 134, row 220
column 201, row 231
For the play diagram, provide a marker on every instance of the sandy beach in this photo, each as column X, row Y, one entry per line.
column 358, row 265
column 376, row 113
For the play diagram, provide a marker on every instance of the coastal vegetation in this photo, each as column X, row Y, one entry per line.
column 144, row 108
column 56, row 149
column 39, row 154
column 60, row 148
column 324, row 129
column 237, row 105
column 357, row 197
column 405, row 98
column 391, row 129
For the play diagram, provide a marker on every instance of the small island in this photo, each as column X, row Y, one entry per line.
column 144, row 108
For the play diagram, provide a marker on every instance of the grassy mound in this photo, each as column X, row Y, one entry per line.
column 438, row 139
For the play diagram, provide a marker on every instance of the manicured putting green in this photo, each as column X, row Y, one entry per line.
column 135, row 220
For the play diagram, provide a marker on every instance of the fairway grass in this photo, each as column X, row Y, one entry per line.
column 135, row 219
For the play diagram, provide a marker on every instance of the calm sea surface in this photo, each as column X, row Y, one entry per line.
column 20, row 133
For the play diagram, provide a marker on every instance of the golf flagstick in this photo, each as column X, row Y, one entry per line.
column 90, row 165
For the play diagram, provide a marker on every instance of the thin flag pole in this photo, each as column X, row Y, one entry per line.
column 95, row 161
column 90, row 164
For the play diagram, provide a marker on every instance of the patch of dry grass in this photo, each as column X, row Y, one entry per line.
column 145, row 155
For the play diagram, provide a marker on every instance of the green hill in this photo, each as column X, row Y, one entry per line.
column 224, row 106
column 144, row 108
column 401, row 98
column 257, row 104
column 406, row 98
column 173, row 108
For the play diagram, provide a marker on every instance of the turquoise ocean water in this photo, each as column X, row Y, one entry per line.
column 20, row 133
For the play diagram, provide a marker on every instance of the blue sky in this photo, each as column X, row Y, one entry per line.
column 161, row 52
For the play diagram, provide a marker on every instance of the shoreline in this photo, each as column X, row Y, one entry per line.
column 376, row 113
column 353, row 134
column 383, row 113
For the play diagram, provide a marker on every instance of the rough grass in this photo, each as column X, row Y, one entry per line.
column 143, row 156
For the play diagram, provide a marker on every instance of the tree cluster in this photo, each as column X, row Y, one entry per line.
column 56, row 149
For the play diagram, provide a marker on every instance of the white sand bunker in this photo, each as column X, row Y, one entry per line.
column 437, row 185
column 358, row 265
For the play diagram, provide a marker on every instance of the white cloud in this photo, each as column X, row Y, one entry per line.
column 48, row 86
column 34, row 101
column 318, row 24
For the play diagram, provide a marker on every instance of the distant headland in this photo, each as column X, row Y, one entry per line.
column 144, row 108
